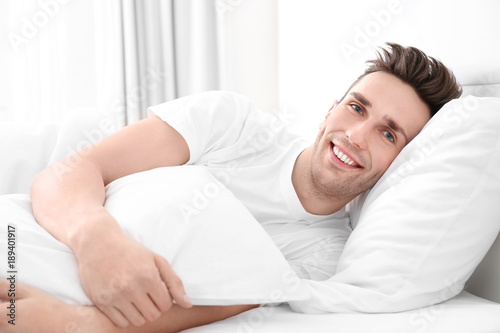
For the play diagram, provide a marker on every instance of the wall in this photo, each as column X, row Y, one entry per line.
column 249, row 49
column 323, row 45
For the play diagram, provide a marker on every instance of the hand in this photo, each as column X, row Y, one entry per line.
column 129, row 283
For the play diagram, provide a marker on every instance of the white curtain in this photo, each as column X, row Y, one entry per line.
column 120, row 56
column 161, row 50
column 47, row 53
column 115, row 56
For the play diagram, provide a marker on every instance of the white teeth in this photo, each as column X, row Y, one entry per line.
column 343, row 157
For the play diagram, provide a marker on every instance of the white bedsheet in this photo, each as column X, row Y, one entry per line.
column 464, row 313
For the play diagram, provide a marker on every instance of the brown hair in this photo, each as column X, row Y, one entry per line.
column 433, row 82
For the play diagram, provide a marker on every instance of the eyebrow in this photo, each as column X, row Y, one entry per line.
column 388, row 120
column 395, row 127
column 362, row 99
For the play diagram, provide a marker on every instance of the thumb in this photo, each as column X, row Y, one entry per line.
column 172, row 281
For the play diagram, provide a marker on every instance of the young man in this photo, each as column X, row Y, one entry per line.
column 381, row 112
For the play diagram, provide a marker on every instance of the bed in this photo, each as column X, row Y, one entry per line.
column 463, row 281
column 457, row 302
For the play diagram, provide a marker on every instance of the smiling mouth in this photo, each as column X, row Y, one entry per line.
column 343, row 157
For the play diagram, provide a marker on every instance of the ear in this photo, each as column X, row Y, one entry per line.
column 335, row 103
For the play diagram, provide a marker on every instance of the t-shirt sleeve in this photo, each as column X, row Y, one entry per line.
column 208, row 121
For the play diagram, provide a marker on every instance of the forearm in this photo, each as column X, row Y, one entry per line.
column 48, row 314
column 174, row 320
column 124, row 279
column 68, row 196
column 178, row 318
column 68, row 202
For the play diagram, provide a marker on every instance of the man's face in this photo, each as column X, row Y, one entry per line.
column 361, row 137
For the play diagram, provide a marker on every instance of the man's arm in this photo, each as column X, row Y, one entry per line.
column 129, row 283
column 46, row 314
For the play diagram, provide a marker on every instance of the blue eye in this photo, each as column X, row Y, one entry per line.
column 388, row 136
column 357, row 108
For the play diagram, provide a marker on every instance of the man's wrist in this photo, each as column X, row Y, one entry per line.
column 93, row 228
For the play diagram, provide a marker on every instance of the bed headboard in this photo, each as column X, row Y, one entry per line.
column 480, row 79
column 485, row 281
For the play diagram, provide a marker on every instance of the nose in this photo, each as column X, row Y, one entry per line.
column 358, row 135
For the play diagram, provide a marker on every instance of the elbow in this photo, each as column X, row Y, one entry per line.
column 38, row 192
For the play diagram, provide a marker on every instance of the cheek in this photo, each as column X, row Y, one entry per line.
column 321, row 133
column 382, row 157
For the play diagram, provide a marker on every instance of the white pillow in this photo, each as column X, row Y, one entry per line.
column 217, row 248
column 431, row 218
column 25, row 149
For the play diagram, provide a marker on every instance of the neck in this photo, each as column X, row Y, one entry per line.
column 313, row 201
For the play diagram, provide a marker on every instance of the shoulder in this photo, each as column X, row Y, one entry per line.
column 209, row 102
column 212, row 121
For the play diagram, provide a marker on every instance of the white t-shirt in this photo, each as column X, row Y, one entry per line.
column 253, row 154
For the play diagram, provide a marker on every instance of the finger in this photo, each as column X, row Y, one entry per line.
column 161, row 297
column 133, row 315
column 148, row 308
column 162, row 301
column 173, row 282
column 115, row 316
